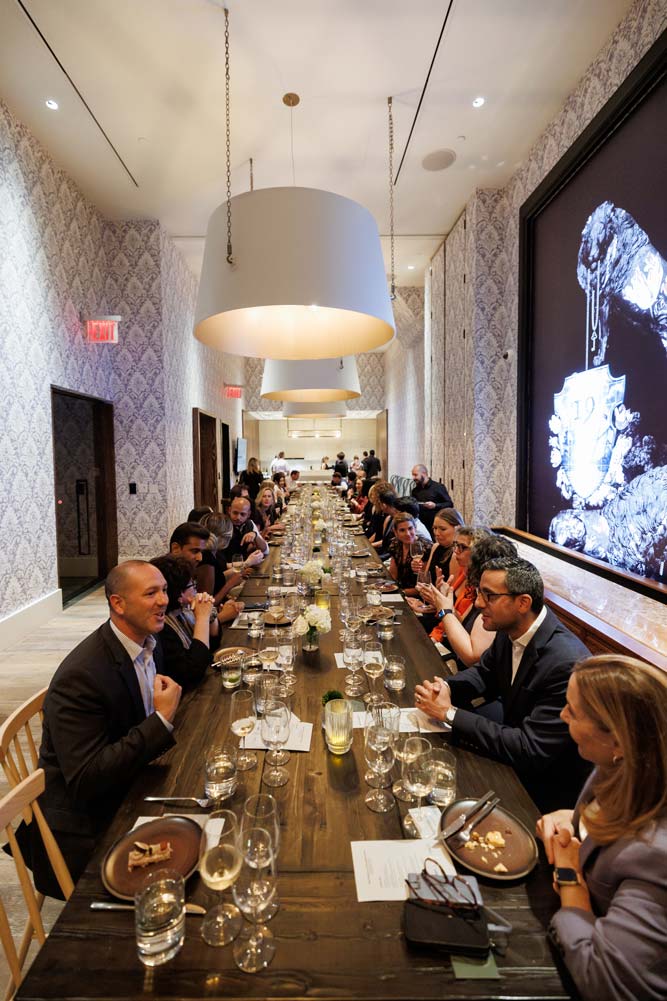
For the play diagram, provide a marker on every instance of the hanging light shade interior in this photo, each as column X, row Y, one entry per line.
column 312, row 381
column 308, row 278
column 315, row 409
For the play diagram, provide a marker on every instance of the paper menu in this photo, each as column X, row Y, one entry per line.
column 381, row 867
column 412, row 721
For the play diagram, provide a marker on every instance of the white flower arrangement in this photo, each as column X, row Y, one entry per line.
column 313, row 619
column 320, row 525
column 313, row 570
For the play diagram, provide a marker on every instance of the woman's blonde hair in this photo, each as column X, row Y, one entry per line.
column 253, row 466
column 626, row 699
column 374, row 493
column 221, row 529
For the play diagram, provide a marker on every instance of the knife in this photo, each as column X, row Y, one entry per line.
column 460, row 822
column 108, row 905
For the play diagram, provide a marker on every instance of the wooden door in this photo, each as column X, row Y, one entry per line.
column 205, row 459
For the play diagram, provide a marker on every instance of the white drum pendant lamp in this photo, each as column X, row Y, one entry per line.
column 308, row 278
column 324, row 380
column 318, row 409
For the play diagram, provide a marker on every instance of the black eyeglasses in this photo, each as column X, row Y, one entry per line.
column 461, row 546
column 434, row 886
column 490, row 596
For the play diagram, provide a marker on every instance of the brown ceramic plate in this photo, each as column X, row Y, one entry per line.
column 378, row 612
column 387, row 587
column 519, row 854
column 359, row 555
column 184, row 835
column 271, row 620
column 230, row 656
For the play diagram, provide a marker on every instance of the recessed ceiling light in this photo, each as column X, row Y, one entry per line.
column 478, row 102
column 411, row 267
column 51, row 104
column 501, row 163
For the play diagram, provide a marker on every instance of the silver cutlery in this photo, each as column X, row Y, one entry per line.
column 107, row 905
column 203, row 802
column 461, row 821
column 464, row 836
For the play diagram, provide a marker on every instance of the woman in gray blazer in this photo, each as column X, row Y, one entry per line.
column 610, row 853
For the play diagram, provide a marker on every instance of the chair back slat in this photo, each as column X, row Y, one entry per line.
column 16, row 733
column 21, row 798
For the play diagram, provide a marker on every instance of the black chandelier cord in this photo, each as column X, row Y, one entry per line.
column 421, row 98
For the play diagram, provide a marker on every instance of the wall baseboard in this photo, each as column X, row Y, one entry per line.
column 20, row 624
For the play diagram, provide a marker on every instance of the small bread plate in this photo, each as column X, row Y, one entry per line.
column 373, row 613
column 511, row 860
column 276, row 620
column 183, row 834
column 230, row 656
column 275, row 543
column 360, row 555
column 387, row 587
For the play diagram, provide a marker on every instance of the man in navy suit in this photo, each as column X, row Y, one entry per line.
column 524, row 674
column 108, row 713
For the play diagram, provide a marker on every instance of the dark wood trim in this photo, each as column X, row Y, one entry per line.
column 647, row 74
column 105, row 486
column 649, row 588
column 196, row 457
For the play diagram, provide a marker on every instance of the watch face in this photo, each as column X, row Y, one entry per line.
column 565, row 876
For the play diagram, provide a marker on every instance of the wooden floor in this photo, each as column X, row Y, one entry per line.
column 24, row 669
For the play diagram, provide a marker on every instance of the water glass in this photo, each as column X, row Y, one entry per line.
column 231, row 675
column 394, row 673
column 275, row 734
column 385, row 626
column 338, row 723
column 252, row 668
column 159, row 917
column 373, row 594
column 220, row 778
column 444, row 789
column 379, row 754
column 268, row 689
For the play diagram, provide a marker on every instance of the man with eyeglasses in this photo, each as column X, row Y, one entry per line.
column 525, row 671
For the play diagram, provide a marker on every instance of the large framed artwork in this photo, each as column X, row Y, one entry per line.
column 592, row 443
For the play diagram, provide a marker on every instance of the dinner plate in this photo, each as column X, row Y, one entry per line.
column 184, row 835
column 387, row 587
column 230, row 656
column 360, row 556
column 275, row 543
column 519, row 855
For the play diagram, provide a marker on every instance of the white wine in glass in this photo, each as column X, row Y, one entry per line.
column 219, row 867
column 242, row 719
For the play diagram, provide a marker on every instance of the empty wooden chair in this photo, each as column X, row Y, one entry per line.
column 19, row 739
column 22, row 798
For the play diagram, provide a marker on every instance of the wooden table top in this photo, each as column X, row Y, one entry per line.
column 328, row 945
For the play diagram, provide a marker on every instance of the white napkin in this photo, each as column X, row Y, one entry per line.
column 426, row 820
column 212, row 832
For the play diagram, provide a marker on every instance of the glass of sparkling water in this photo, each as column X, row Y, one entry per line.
column 159, row 916
column 444, row 789
column 220, row 778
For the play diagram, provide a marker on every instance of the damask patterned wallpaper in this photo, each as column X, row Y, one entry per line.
column 404, row 382
column 60, row 262
column 491, row 253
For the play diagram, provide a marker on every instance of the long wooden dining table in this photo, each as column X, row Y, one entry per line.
column 329, row 946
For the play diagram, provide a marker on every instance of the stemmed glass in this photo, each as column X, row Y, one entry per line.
column 373, row 669
column 261, row 810
column 254, row 891
column 286, row 659
column 219, row 866
column 379, row 754
column 419, row 778
column 237, row 563
column 268, row 651
column 242, row 719
column 275, row 734
column 291, row 606
column 353, row 656
column 404, row 751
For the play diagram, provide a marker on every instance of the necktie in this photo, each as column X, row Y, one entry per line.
column 146, row 673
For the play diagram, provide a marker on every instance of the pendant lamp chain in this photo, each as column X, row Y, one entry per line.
column 391, row 197
column 252, row 177
column 230, row 259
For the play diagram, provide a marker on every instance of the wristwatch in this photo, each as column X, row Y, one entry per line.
column 564, row 876
column 450, row 714
column 441, row 614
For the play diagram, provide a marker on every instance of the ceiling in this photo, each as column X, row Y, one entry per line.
column 150, row 142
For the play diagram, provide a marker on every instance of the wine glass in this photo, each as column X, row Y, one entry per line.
column 237, row 562
column 275, row 734
column 387, row 715
column 276, row 607
column 416, row 549
column 379, row 754
column 353, row 656
column 286, row 658
column 419, row 778
column 373, row 669
column 291, row 606
column 254, row 892
column 268, row 649
column 242, row 718
column 219, row 865
column 251, row 668
column 404, row 752
column 261, row 810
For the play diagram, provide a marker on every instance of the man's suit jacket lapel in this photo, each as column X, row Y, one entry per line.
column 126, row 671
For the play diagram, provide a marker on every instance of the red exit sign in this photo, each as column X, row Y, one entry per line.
column 233, row 392
column 103, row 330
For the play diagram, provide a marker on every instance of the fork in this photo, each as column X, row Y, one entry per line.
column 203, row 803
column 462, row 837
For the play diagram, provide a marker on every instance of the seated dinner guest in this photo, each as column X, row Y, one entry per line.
column 526, row 668
column 189, row 539
column 108, row 712
column 265, row 509
column 246, row 538
column 439, row 556
column 401, row 551
column 192, row 627
column 610, row 853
